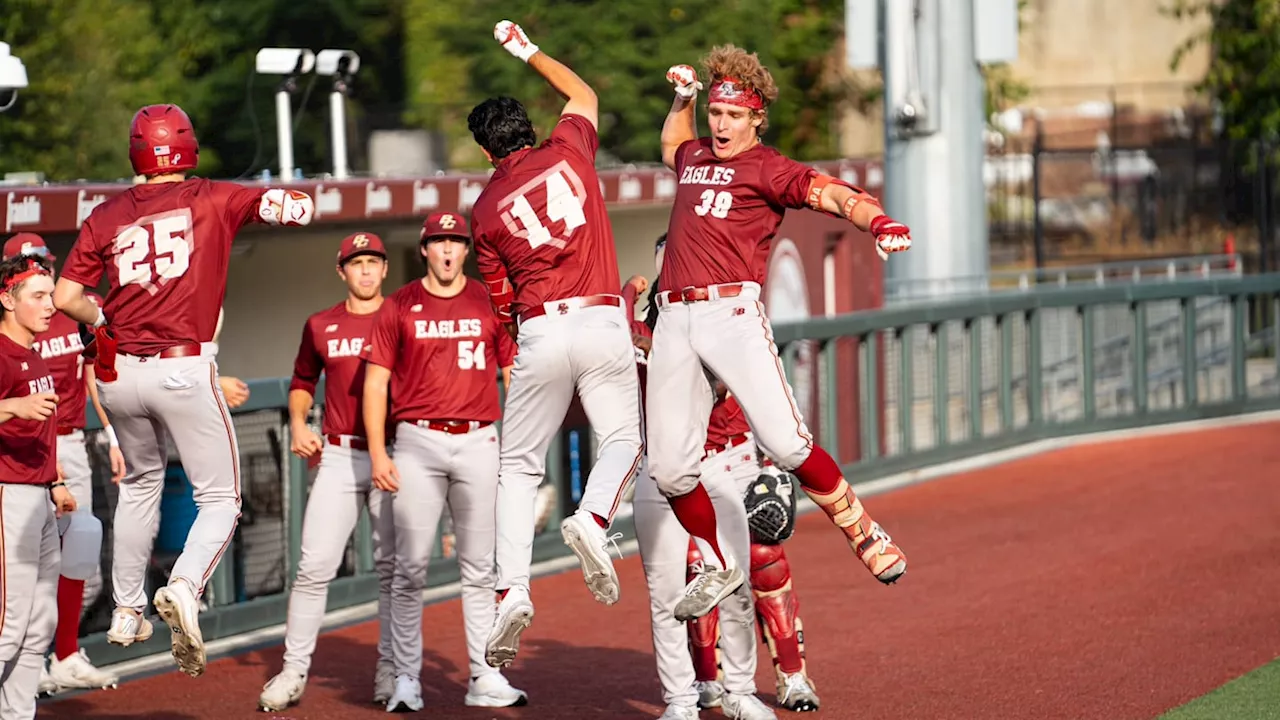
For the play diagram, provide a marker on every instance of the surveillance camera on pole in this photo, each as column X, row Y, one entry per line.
column 342, row 66
column 289, row 62
column 13, row 76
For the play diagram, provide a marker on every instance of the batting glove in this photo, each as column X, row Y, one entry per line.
column 685, row 79
column 891, row 236
column 514, row 40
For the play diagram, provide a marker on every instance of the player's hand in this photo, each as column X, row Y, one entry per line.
column 235, row 390
column 305, row 442
column 63, row 501
column 891, row 236
column 117, row 464
column 642, row 342
column 685, row 80
column 385, row 475
column 639, row 283
column 38, row 407
column 514, row 40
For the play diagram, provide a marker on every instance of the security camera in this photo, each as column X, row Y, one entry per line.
column 337, row 62
column 13, row 74
column 284, row 61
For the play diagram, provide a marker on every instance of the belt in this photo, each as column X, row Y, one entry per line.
column 67, row 429
column 353, row 442
column 733, row 442
column 191, row 349
column 453, row 427
column 699, row 294
column 563, row 307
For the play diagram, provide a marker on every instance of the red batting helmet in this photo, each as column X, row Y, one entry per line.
column 161, row 140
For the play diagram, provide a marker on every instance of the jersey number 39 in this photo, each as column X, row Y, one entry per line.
column 154, row 250
column 564, row 196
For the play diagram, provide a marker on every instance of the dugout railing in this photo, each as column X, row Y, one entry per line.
column 921, row 384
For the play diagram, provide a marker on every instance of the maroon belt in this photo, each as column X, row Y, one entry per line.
column 699, row 294
column 191, row 349
column 348, row 441
column 565, row 306
column 733, row 442
column 453, row 427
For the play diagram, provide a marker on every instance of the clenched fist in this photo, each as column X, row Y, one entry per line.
column 514, row 40
column 685, row 79
column 891, row 236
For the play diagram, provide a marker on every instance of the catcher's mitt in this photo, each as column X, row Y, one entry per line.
column 771, row 508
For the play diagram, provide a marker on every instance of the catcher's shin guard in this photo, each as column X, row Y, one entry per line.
column 777, row 608
column 869, row 541
column 704, row 632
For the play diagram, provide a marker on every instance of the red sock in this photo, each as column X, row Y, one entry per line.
column 819, row 472
column 602, row 522
column 698, row 517
column 66, row 640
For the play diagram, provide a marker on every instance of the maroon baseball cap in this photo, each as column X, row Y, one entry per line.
column 361, row 243
column 25, row 243
column 445, row 224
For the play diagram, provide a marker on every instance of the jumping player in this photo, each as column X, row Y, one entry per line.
column 333, row 344
column 731, row 197
column 545, row 248
column 28, row 482
column 438, row 345
column 61, row 346
column 165, row 246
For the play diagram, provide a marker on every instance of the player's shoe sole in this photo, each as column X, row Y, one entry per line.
column 505, row 644
column 597, row 568
column 185, row 638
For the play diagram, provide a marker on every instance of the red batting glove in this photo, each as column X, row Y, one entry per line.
column 891, row 236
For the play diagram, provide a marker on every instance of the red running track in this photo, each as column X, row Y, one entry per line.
column 1105, row 581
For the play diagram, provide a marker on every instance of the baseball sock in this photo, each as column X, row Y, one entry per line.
column 66, row 640
column 819, row 472
column 698, row 517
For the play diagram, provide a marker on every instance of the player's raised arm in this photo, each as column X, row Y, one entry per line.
column 581, row 99
column 681, row 123
column 863, row 210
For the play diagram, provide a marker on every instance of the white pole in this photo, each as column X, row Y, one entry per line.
column 284, row 133
column 338, row 133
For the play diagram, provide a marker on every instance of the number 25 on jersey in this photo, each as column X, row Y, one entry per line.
column 154, row 250
column 563, row 199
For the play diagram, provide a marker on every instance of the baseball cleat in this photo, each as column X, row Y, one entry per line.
column 587, row 540
column 128, row 627
column 75, row 672
column 384, row 682
column 710, row 694
column 515, row 615
column 869, row 541
column 680, row 712
column 494, row 690
column 711, row 586
column 47, row 686
column 881, row 556
column 178, row 607
column 282, row 691
column 796, row 693
column 407, row 695
column 746, row 707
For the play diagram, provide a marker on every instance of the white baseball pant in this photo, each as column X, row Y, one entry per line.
column 29, row 587
column 78, row 474
column 733, row 339
column 664, row 550
column 180, row 396
column 344, row 483
column 438, row 468
column 588, row 349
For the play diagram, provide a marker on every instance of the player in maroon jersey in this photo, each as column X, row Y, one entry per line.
column 333, row 344
column 545, row 248
column 732, row 194
column 164, row 246
column 28, row 482
column 439, row 346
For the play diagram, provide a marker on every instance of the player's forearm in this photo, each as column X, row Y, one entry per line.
column 506, row 379
column 300, row 402
column 8, row 410
column 374, row 407
column 866, row 209
column 679, row 128
column 69, row 297
column 564, row 81
column 91, row 388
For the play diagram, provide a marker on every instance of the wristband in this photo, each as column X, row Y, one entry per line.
column 57, row 483
column 111, row 436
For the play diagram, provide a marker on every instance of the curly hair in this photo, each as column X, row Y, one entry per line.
column 501, row 125
column 732, row 61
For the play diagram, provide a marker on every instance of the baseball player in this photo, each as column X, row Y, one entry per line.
column 333, row 343
column 438, row 345
column 545, row 248
column 165, row 246
column 28, row 482
column 731, row 196
column 60, row 347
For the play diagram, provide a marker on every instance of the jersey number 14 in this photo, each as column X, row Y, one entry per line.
column 563, row 204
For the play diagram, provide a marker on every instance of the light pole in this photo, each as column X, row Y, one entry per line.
column 342, row 66
column 13, row 76
column 289, row 62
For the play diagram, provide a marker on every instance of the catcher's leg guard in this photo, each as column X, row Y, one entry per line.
column 704, row 632
column 777, row 607
column 869, row 541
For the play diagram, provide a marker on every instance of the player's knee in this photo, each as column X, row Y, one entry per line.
column 788, row 449
column 769, row 568
column 676, row 486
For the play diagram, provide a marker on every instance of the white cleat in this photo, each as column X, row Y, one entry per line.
column 746, row 707
column 680, row 712
column 384, row 682
column 75, row 672
column 282, row 691
column 710, row 694
column 515, row 615
column 587, row 540
column 711, row 586
column 128, row 627
column 494, row 690
column 179, row 608
column 796, row 693
column 47, row 686
column 407, row 695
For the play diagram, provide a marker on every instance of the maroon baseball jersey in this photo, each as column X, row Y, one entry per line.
column 60, row 346
column 444, row 354
column 165, row 250
column 726, row 213
column 541, row 221
column 28, row 448
column 726, row 421
column 334, row 342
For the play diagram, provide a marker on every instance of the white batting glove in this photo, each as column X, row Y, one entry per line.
column 891, row 236
column 685, row 79
column 514, row 40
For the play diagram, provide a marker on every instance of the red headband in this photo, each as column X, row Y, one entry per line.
column 729, row 90
column 32, row 270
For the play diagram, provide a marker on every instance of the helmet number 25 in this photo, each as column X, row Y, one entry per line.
column 154, row 250
column 564, row 198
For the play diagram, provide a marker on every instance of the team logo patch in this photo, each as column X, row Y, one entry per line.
column 448, row 222
column 563, row 308
column 331, row 328
column 361, row 241
column 416, row 308
column 24, row 367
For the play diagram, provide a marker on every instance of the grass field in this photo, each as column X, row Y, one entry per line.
column 1255, row 696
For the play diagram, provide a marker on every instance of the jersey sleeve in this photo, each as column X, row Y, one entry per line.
column 384, row 341
column 308, row 365
column 494, row 272
column 785, row 182
column 682, row 153
column 239, row 204
column 85, row 262
column 578, row 134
